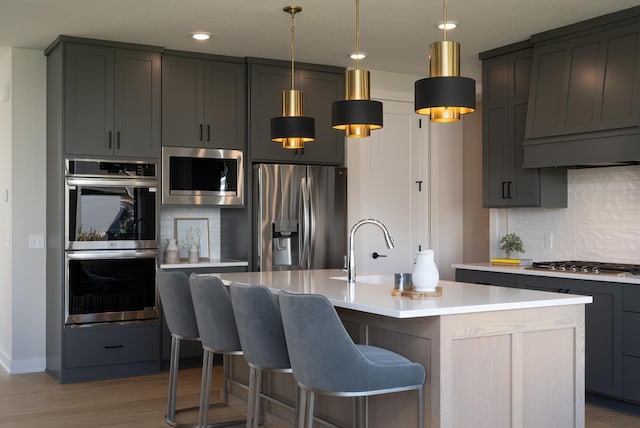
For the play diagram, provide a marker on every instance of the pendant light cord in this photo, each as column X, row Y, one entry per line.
column 357, row 34
column 293, row 25
column 444, row 19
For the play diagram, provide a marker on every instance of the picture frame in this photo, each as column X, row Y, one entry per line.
column 189, row 231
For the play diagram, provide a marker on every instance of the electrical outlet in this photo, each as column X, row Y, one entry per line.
column 36, row 241
column 548, row 240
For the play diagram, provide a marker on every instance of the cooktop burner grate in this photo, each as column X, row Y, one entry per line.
column 587, row 267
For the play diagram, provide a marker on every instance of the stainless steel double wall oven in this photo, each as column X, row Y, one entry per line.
column 111, row 242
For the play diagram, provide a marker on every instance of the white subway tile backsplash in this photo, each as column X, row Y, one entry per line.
column 601, row 222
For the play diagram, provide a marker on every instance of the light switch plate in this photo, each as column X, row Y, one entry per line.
column 36, row 241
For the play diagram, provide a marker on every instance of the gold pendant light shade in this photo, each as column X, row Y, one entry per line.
column 357, row 115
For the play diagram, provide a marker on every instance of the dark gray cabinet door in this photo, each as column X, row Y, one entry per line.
column 505, row 183
column 320, row 89
column 203, row 103
column 182, row 102
column 88, row 100
column 111, row 102
column 586, row 83
column 225, row 105
column 137, row 94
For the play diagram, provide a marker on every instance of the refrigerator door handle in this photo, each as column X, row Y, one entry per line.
column 311, row 229
column 304, row 256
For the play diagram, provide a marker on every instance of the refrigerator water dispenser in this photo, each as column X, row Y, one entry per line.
column 284, row 243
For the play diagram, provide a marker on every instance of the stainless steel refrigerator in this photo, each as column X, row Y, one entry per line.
column 300, row 214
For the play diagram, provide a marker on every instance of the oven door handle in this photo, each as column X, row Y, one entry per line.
column 112, row 182
column 112, row 254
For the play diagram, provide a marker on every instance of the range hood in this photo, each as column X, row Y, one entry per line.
column 593, row 149
column 584, row 97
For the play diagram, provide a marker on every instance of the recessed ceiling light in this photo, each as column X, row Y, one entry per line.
column 450, row 25
column 201, row 35
column 358, row 55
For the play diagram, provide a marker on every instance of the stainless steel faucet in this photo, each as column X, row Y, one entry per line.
column 351, row 261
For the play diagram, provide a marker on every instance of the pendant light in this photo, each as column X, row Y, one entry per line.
column 444, row 95
column 292, row 129
column 357, row 115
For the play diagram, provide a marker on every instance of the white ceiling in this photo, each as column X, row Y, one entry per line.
column 395, row 34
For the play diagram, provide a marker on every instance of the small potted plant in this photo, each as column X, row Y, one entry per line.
column 511, row 243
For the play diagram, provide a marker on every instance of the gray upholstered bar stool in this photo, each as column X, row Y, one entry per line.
column 177, row 307
column 262, row 337
column 218, row 334
column 326, row 361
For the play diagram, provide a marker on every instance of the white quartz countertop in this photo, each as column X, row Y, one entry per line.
column 488, row 267
column 372, row 293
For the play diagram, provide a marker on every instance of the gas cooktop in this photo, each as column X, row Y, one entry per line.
column 594, row 268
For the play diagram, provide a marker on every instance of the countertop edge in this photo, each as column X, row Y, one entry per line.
column 519, row 270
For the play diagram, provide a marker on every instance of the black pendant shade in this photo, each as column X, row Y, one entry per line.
column 443, row 92
column 285, row 127
column 356, row 112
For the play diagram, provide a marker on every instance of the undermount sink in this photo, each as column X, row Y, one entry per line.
column 367, row 279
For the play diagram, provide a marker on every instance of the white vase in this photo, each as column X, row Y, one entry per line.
column 171, row 252
column 194, row 254
column 425, row 274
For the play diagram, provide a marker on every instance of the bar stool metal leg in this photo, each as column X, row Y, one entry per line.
column 170, row 417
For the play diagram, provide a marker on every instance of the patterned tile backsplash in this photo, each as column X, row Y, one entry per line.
column 169, row 213
column 601, row 222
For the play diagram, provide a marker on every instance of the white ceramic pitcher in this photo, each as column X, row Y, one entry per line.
column 425, row 274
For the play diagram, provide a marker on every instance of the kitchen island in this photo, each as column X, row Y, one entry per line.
column 494, row 356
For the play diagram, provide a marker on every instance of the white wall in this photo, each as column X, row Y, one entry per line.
column 25, row 146
column 601, row 222
column 5, row 212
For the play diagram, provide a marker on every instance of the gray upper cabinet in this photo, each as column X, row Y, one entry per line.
column 111, row 102
column 321, row 86
column 204, row 103
column 584, row 103
column 506, row 76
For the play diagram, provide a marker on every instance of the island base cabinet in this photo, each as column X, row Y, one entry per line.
column 514, row 368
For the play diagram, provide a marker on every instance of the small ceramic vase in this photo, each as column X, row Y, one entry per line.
column 194, row 254
column 425, row 275
column 171, row 253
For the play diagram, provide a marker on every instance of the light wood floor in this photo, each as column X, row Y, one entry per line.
column 36, row 400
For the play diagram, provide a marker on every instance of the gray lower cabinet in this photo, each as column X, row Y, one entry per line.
column 321, row 86
column 105, row 351
column 203, row 102
column 111, row 101
column 612, row 357
column 506, row 75
column 631, row 343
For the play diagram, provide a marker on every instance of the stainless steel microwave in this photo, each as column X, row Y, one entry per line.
column 202, row 176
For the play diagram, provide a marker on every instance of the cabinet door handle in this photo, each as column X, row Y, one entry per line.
column 208, row 132
column 118, row 140
column 511, row 190
column 200, row 132
column 504, row 187
column 114, row 347
column 110, row 144
column 375, row 255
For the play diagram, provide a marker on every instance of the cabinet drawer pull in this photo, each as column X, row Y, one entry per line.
column 114, row 346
